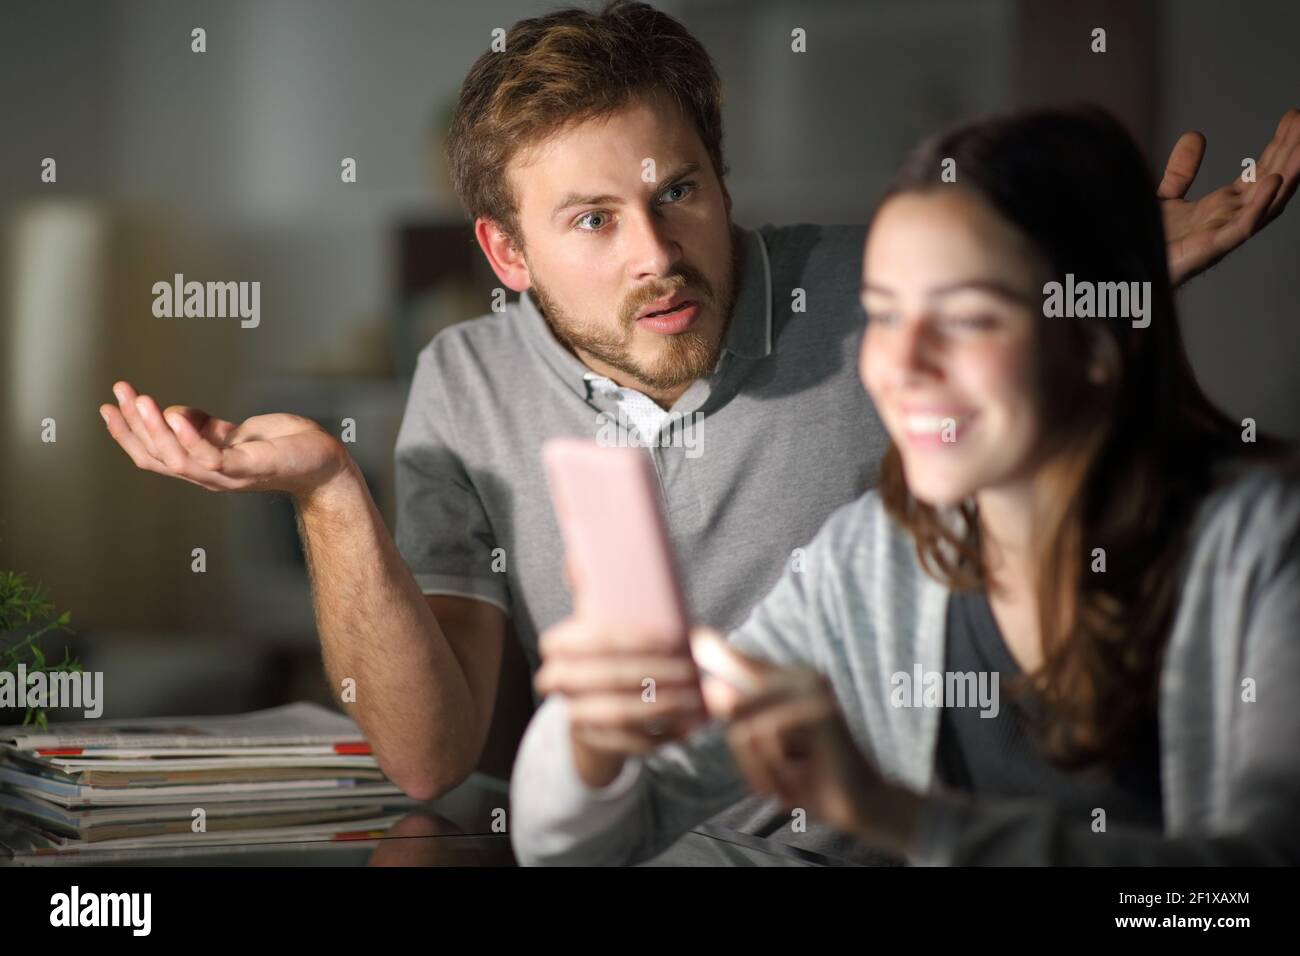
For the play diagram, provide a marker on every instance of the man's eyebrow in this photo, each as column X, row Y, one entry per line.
column 582, row 199
column 1000, row 289
column 579, row 199
column 685, row 169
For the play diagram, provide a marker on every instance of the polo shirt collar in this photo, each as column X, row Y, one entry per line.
column 749, row 334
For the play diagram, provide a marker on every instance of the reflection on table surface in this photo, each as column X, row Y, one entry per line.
column 464, row 827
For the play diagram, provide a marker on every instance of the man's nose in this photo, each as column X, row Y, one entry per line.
column 654, row 252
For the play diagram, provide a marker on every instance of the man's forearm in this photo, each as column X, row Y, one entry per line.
column 412, row 700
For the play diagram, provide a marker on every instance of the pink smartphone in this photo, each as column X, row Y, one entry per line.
column 616, row 538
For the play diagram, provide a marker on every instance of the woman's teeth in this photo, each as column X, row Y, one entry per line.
column 931, row 424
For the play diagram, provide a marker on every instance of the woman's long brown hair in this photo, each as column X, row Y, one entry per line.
column 1128, row 454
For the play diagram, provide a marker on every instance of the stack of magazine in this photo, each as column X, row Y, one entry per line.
column 295, row 773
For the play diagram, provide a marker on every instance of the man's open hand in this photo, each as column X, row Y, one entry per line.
column 276, row 452
column 1200, row 232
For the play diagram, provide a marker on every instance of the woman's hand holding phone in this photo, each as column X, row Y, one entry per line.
column 626, row 660
column 622, row 659
column 626, row 694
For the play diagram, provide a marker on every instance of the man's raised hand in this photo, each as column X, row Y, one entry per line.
column 276, row 452
column 1200, row 232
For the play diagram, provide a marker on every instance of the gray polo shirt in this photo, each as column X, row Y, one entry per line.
column 753, row 458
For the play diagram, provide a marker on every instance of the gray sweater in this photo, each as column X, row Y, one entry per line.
column 862, row 609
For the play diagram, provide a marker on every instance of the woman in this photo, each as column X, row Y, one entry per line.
column 1062, row 629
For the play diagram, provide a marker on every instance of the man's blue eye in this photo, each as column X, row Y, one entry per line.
column 684, row 188
column 585, row 217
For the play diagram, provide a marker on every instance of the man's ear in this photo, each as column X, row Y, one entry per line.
column 506, row 261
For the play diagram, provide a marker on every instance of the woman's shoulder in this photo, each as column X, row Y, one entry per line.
column 1250, row 517
column 1259, row 498
column 864, row 521
column 862, row 542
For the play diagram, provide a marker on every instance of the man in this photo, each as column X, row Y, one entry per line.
column 589, row 154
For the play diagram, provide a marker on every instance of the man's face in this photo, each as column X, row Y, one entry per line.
column 619, row 218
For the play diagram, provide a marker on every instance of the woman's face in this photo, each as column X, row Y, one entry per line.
column 952, row 293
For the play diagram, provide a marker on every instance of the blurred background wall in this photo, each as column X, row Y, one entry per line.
column 225, row 165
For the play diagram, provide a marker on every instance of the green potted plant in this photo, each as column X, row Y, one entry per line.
column 26, row 616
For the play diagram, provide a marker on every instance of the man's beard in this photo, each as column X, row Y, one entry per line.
column 684, row 356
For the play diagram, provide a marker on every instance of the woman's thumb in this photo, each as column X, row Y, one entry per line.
column 727, row 677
